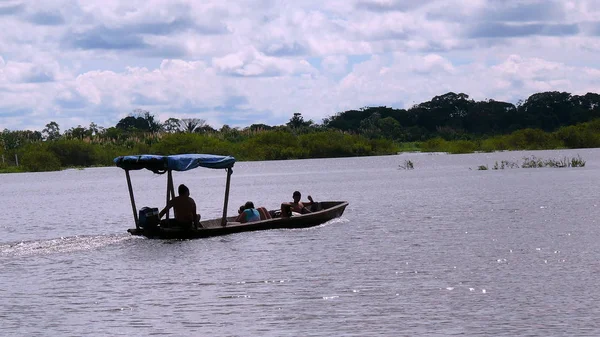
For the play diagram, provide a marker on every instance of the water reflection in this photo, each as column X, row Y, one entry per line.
column 438, row 250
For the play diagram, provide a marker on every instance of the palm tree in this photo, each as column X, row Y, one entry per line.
column 192, row 124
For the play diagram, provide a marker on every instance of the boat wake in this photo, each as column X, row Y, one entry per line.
column 330, row 222
column 60, row 245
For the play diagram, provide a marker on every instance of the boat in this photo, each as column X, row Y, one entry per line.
column 168, row 229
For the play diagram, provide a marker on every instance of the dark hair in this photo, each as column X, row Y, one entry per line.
column 182, row 189
column 249, row 205
column 297, row 193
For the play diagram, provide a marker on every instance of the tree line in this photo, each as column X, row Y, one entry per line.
column 450, row 123
column 454, row 116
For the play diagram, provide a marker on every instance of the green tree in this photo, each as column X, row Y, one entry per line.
column 171, row 125
column 259, row 127
column 51, row 131
column 547, row 110
column 78, row 132
column 140, row 120
column 12, row 140
column 297, row 121
column 154, row 125
column 93, row 130
column 369, row 127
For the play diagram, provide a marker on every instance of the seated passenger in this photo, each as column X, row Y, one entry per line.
column 184, row 208
column 249, row 214
column 296, row 206
column 264, row 213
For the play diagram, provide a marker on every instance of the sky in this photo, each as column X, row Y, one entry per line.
column 241, row 62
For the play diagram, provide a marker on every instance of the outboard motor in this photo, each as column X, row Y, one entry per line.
column 148, row 217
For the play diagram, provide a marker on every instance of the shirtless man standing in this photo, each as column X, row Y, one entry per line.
column 184, row 207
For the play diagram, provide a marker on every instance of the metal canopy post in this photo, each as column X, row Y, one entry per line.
column 224, row 220
column 135, row 216
column 169, row 190
column 172, row 188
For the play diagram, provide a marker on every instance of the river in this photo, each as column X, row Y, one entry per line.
column 441, row 250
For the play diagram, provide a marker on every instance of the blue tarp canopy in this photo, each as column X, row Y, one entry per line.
column 178, row 162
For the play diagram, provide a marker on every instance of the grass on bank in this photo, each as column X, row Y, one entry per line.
column 268, row 145
column 280, row 145
column 584, row 135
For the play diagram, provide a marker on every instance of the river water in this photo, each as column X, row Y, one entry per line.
column 441, row 250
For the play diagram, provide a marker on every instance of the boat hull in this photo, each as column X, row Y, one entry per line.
column 330, row 210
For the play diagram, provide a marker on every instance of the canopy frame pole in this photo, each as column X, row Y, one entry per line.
column 135, row 216
column 169, row 189
column 224, row 220
column 172, row 187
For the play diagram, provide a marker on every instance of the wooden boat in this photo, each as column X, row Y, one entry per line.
column 166, row 228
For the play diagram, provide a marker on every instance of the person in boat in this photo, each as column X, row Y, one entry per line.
column 296, row 206
column 247, row 213
column 184, row 208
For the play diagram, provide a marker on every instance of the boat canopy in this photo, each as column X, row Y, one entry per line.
column 178, row 162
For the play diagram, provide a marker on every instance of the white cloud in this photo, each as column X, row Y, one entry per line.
column 433, row 63
column 241, row 62
column 251, row 62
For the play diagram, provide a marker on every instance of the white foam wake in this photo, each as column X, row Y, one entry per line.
column 60, row 245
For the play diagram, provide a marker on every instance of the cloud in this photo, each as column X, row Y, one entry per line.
column 592, row 28
column 105, row 38
column 37, row 75
column 292, row 49
column 46, row 18
column 77, row 61
column 523, row 11
column 149, row 32
column 390, row 5
column 70, row 100
column 6, row 10
column 142, row 99
column 433, row 63
column 503, row 30
column 250, row 63
column 14, row 73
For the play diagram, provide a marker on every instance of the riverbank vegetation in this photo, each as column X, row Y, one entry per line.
column 450, row 123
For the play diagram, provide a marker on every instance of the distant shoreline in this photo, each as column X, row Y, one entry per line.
column 401, row 153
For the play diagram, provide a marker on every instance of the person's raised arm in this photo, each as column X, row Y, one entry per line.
column 314, row 206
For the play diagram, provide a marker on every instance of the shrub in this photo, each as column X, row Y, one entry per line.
column 434, row 145
column 499, row 143
column 575, row 137
column 40, row 160
column 72, row 152
column 532, row 139
column 461, row 146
